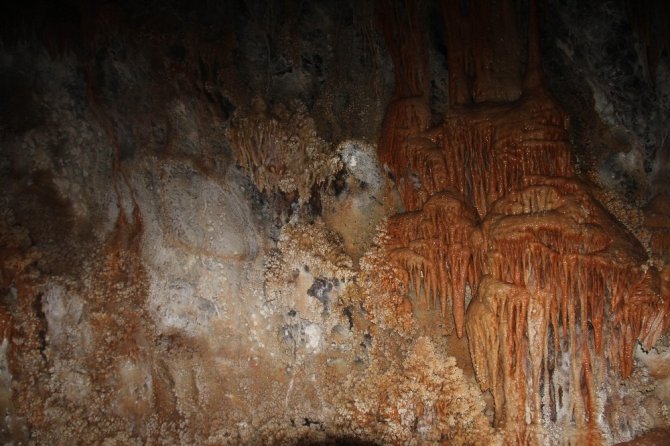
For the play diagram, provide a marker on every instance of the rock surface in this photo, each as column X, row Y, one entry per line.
column 308, row 223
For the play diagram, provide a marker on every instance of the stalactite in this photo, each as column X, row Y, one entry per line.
column 409, row 112
column 446, row 198
column 483, row 153
column 552, row 260
column 435, row 242
column 274, row 147
column 550, row 252
column 406, row 37
column 562, row 293
column 404, row 118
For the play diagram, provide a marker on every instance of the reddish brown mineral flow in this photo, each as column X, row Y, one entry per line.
column 561, row 292
column 560, row 277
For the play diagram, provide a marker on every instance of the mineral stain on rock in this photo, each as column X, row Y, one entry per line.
column 320, row 290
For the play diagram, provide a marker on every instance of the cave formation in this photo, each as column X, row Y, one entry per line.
column 494, row 205
column 431, row 222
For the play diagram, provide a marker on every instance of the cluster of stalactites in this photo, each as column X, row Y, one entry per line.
column 451, row 175
column 560, row 292
column 559, row 277
column 482, row 156
column 433, row 247
column 553, row 275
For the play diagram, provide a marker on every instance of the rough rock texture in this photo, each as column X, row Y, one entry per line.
column 608, row 64
column 251, row 222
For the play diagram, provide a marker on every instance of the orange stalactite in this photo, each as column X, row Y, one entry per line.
column 483, row 153
column 436, row 241
column 450, row 188
column 561, row 293
column 550, row 247
column 404, row 118
column 498, row 318
column 409, row 113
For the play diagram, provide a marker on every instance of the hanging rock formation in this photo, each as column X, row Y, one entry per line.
column 561, row 292
column 560, row 278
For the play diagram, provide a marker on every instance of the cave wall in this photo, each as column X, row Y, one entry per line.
column 197, row 209
column 608, row 63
